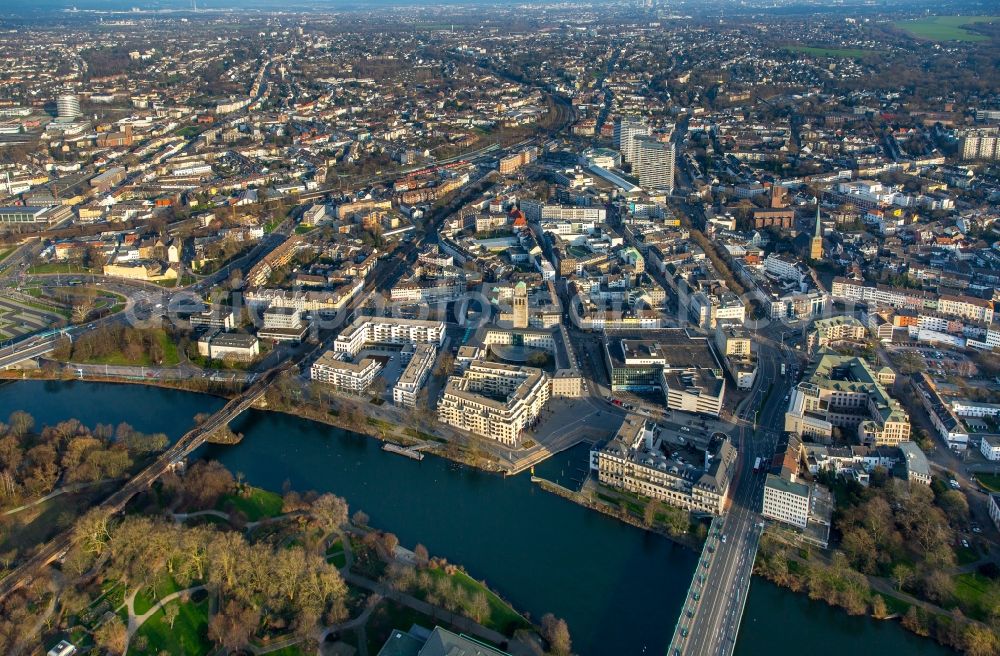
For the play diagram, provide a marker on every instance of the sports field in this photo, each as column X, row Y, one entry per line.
column 849, row 53
column 945, row 28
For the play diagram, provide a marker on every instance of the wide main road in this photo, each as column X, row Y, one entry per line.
column 717, row 615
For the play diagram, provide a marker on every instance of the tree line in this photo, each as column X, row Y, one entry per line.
column 135, row 344
column 903, row 533
column 33, row 462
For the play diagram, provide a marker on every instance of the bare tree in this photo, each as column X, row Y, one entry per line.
column 112, row 635
column 233, row 626
column 556, row 633
column 170, row 612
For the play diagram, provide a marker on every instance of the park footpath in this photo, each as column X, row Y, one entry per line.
column 460, row 622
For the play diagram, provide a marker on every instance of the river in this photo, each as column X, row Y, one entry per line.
column 618, row 587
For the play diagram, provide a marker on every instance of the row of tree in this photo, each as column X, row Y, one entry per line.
column 136, row 345
column 33, row 462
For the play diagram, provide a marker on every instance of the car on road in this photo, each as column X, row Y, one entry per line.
column 723, row 538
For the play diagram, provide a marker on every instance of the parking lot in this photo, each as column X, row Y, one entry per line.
column 940, row 363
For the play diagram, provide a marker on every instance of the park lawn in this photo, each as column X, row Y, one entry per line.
column 58, row 267
column 189, row 634
column 976, row 595
column 848, row 53
column 895, row 605
column 257, row 505
column 36, row 525
column 146, row 598
column 944, row 28
column 170, row 356
column 167, row 345
column 143, row 601
column 989, row 481
column 503, row 618
column 335, row 554
column 303, row 229
column 381, row 424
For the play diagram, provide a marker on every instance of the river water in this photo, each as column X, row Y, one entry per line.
column 619, row 588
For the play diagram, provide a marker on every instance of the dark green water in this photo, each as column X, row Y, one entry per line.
column 619, row 588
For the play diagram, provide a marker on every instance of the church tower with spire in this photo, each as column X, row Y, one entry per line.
column 816, row 245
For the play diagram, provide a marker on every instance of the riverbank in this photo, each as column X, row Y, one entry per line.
column 691, row 538
column 381, row 430
column 617, row 587
column 194, row 385
column 833, row 582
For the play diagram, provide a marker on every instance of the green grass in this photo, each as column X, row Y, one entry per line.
column 146, row 598
column 257, row 505
column 976, row 595
column 989, row 481
column 188, row 131
column 170, row 356
column 169, row 348
column 895, row 605
column 945, row 28
column 303, row 229
column 7, row 251
column 502, row 617
column 143, row 601
column 381, row 423
column 58, row 267
column 848, row 53
column 189, row 634
column 335, row 555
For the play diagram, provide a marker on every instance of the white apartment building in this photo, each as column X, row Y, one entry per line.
column 438, row 291
column 834, row 329
column 979, row 143
column 307, row 302
column 635, row 461
column 654, row 163
column 707, row 310
column 989, row 446
column 497, row 401
column 237, row 346
column 282, row 318
column 967, row 307
column 626, row 129
column 784, row 267
column 695, row 390
column 404, row 393
column 335, row 369
column 388, row 330
column 786, row 501
column 843, row 391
